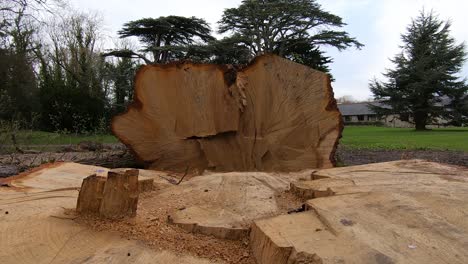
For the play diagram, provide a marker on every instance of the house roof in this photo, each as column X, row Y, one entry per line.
column 351, row 109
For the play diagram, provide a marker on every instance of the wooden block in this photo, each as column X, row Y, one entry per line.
column 132, row 172
column 120, row 197
column 90, row 196
column 319, row 188
column 145, row 185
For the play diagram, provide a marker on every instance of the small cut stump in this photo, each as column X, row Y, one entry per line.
column 114, row 197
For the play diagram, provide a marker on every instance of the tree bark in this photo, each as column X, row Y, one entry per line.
column 273, row 115
column 420, row 120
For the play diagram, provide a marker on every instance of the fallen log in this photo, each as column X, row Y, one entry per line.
column 273, row 115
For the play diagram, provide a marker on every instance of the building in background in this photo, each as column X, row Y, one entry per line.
column 362, row 114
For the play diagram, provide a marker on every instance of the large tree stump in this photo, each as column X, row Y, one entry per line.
column 274, row 115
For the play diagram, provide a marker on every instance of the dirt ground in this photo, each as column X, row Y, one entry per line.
column 113, row 156
column 151, row 227
column 117, row 156
column 350, row 157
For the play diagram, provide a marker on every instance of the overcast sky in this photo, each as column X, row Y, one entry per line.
column 376, row 23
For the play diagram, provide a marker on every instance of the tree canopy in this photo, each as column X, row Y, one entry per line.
column 295, row 29
column 424, row 83
column 18, row 45
column 166, row 38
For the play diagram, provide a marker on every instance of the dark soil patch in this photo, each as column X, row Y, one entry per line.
column 116, row 156
column 350, row 157
column 8, row 170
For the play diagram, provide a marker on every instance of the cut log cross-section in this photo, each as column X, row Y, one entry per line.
column 273, row 115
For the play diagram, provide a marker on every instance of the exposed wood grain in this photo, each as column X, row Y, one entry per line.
column 275, row 115
column 120, row 196
column 409, row 211
column 90, row 195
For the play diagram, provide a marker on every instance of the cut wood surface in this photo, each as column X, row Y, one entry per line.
column 409, row 211
column 90, row 195
column 145, row 185
column 35, row 228
column 224, row 205
column 274, row 115
column 120, row 195
column 396, row 212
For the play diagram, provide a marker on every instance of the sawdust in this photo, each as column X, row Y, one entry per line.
column 287, row 202
column 151, row 227
column 151, row 224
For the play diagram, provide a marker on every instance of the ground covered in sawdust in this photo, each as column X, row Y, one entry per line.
column 152, row 228
column 288, row 202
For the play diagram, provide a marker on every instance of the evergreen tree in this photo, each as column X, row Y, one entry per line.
column 165, row 38
column 121, row 73
column 425, row 74
column 18, row 45
column 295, row 29
column 229, row 50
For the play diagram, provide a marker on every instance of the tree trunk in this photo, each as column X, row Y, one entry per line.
column 420, row 120
column 274, row 115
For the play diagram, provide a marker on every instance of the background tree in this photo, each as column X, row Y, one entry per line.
column 123, row 72
column 52, row 70
column 457, row 113
column 229, row 50
column 120, row 72
column 346, row 99
column 164, row 38
column 425, row 74
column 18, row 47
column 73, row 90
column 295, row 29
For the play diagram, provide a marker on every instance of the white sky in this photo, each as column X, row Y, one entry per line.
column 375, row 23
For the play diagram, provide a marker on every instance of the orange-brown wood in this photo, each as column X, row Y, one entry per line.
column 90, row 195
column 120, row 195
column 273, row 115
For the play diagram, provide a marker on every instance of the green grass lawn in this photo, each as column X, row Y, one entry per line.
column 361, row 137
column 370, row 137
column 34, row 138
